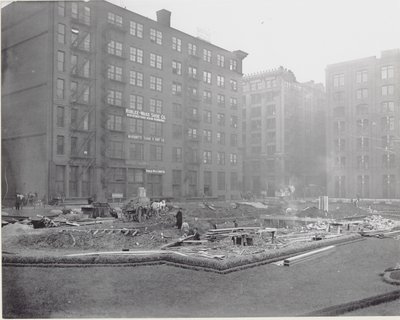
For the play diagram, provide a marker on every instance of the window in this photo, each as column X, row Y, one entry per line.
column 136, row 29
column 176, row 154
column 387, row 142
column 61, row 61
column 221, row 81
column 207, row 55
column 221, row 180
column 136, row 55
column 233, row 159
column 362, row 143
column 340, row 162
column 177, row 110
column 114, row 97
column 115, row 48
column 362, row 93
column 114, row 19
column 135, row 125
column 114, row 73
column 220, row 61
column 207, row 158
column 339, row 127
column 388, row 106
column 136, row 78
column 74, row 117
column 60, row 117
column 60, row 145
column 255, row 112
column 339, row 96
column 387, row 123
column 176, row 183
column 192, row 49
column 339, row 144
column 234, row 181
column 207, row 97
column 340, row 186
column 114, row 122
column 86, row 15
column 221, row 138
column 74, row 146
column 207, row 77
column 338, row 80
column 176, row 89
column 86, row 69
column 61, row 33
column 234, row 140
column 387, row 72
column 234, row 121
column 207, row 136
column 221, row 158
column 362, row 76
column 221, row 119
column 387, row 90
column 177, row 131
column 192, row 71
column 61, row 8
column 60, row 88
column 255, row 98
column 156, row 36
column 156, row 83
column 86, row 42
column 74, row 10
column 155, row 129
column 193, row 92
column 136, row 152
column 156, row 105
column 176, row 67
column 176, row 44
column 207, row 116
column 192, row 133
column 271, row 150
column 233, row 102
column 136, row 102
column 389, row 186
column 362, row 124
column 271, row 110
column 233, row 65
column 155, row 61
column 362, row 162
column 271, row 124
column 116, row 149
column 388, row 161
column 156, row 153
column 221, row 100
column 86, row 95
column 233, row 85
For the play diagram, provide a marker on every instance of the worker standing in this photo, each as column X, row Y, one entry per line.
column 179, row 218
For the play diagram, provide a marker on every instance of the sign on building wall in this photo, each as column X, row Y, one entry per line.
column 145, row 138
column 145, row 115
column 155, row 171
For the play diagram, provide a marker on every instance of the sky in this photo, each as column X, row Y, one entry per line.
column 301, row 35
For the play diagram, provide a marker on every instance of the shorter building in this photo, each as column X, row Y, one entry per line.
column 283, row 134
column 363, row 127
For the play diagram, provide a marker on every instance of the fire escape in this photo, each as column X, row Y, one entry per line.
column 112, row 33
column 191, row 142
column 82, row 128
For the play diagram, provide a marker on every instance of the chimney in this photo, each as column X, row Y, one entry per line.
column 164, row 17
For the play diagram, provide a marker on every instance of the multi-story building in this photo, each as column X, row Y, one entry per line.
column 363, row 127
column 97, row 99
column 283, row 134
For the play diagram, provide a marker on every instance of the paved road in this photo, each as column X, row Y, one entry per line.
column 350, row 272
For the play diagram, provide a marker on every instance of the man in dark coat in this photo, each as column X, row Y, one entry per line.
column 179, row 218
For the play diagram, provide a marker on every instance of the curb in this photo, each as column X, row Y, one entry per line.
column 355, row 305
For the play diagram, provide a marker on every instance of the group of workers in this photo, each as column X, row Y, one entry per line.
column 184, row 227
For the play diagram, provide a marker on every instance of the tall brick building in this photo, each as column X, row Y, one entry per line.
column 100, row 100
column 363, row 127
column 283, row 134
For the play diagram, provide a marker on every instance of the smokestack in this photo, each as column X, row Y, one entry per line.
column 164, row 17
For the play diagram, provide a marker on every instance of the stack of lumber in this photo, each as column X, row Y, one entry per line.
column 218, row 234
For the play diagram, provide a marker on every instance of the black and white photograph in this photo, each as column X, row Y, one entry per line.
column 200, row 159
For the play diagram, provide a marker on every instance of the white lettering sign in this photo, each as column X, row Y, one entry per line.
column 145, row 115
column 155, row 171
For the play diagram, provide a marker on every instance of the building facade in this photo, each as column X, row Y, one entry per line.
column 283, row 134
column 100, row 100
column 363, row 127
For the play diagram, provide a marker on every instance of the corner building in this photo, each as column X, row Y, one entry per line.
column 100, row 100
column 283, row 134
column 363, row 127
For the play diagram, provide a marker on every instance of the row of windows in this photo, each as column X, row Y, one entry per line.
column 387, row 90
column 193, row 133
column 387, row 123
column 385, row 107
column 362, row 143
column 387, row 72
column 363, row 185
column 362, row 162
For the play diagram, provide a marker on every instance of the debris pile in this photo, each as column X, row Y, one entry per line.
column 377, row 222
